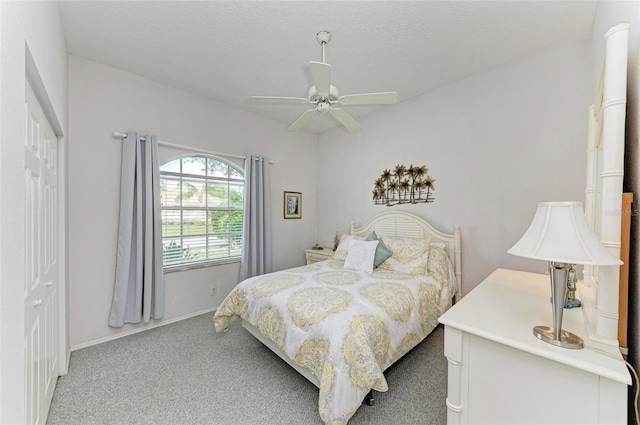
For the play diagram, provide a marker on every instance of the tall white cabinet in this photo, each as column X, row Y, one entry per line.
column 500, row 373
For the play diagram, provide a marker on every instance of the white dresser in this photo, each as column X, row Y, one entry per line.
column 500, row 373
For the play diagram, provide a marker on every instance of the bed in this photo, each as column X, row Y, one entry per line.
column 342, row 328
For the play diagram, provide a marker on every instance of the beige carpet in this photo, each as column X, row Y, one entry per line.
column 185, row 373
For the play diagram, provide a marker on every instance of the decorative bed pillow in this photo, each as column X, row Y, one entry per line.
column 361, row 255
column 382, row 252
column 343, row 247
column 407, row 255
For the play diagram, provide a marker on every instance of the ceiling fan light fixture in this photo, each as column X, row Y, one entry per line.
column 323, row 106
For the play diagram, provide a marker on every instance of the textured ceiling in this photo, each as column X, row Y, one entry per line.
column 231, row 50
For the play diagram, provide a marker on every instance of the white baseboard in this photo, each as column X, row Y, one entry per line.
column 65, row 368
column 147, row 326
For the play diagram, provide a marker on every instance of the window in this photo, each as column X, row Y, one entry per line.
column 201, row 201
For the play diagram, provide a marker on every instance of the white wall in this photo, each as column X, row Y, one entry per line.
column 497, row 143
column 36, row 26
column 607, row 15
column 103, row 100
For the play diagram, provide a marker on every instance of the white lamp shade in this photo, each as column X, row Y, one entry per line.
column 560, row 233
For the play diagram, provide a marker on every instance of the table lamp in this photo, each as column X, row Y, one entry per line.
column 560, row 235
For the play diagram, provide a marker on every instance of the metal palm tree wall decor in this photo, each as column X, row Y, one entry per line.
column 403, row 186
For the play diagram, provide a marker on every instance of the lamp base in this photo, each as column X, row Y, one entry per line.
column 567, row 339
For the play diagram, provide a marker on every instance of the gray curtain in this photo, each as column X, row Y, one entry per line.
column 139, row 284
column 256, row 242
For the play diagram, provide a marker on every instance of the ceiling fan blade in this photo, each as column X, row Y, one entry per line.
column 382, row 98
column 279, row 99
column 321, row 76
column 345, row 119
column 302, row 120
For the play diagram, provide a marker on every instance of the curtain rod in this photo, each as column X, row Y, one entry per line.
column 174, row 145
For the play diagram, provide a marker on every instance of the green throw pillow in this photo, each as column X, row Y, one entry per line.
column 382, row 252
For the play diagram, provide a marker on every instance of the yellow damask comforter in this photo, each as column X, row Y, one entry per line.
column 345, row 326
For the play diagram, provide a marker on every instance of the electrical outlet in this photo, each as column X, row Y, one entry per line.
column 214, row 291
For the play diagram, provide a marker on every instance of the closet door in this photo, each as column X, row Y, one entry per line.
column 41, row 261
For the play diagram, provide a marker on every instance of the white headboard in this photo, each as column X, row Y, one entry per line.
column 404, row 225
column 603, row 194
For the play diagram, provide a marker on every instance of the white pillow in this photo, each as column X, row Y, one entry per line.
column 361, row 255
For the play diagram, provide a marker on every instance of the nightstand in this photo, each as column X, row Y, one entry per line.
column 315, row 255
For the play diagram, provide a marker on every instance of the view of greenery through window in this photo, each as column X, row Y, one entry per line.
column 201, row 201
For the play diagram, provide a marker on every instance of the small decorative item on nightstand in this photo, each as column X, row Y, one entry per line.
column 336, row 241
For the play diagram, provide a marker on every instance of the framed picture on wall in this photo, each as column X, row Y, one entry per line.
column 292, row 205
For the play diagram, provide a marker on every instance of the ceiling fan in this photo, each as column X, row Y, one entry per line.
column 324, row 96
